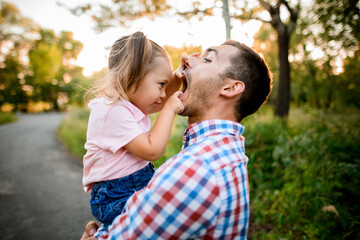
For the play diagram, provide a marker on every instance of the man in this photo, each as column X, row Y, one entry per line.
column 203, row 191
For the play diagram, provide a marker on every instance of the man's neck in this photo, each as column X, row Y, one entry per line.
column 211, row 114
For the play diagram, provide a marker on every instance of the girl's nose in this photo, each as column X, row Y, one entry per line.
column 162, row 93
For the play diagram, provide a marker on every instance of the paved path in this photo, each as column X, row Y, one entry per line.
column 41, row 196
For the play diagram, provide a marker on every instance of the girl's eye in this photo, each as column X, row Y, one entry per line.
column 162, row 84
column 206, row 60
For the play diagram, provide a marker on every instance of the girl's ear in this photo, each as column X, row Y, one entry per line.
column 232, row 88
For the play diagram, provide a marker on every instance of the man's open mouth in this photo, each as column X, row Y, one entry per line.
column 184, row 85
column 184, row 79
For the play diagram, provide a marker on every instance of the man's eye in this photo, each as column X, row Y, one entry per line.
column 206, row 60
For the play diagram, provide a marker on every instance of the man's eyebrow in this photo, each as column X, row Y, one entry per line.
column 212, row 50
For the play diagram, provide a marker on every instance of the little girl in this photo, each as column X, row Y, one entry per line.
column 119, row 145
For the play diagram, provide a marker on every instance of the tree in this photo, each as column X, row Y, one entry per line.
column 284, row 28
column 340, row 21
column 120, row 12
column 45, row 60
column 350, row 80
column 16, row 31
column 69, row 47
column 226, row 15
column 50, row 59
column 324, row 28
column 11, row 90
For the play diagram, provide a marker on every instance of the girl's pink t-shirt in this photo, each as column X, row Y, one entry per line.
column 110, row 128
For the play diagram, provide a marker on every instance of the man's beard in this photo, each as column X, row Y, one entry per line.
column 198, row 101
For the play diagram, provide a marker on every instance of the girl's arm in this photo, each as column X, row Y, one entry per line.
column 151, row 147
column 176, row 81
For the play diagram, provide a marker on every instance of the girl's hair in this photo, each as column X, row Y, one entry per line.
column 131, row 58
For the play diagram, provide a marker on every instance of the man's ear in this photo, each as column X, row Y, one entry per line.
column 232, row 88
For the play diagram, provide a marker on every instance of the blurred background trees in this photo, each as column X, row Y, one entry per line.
column 35, row 64
column 311, row 36
column 309, row 46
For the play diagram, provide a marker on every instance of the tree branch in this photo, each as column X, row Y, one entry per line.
column 189, row 14
column 266, row 5
column 293, row 16
column 291, row 11
column 241, row 17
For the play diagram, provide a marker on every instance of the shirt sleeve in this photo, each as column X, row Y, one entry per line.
column 120, row 127
column 181, row 201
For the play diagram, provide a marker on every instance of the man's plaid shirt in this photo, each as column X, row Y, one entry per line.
column 200, row 193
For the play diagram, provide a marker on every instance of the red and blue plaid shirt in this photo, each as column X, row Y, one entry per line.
column 200, row 193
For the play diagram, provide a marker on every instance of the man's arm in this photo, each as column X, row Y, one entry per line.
column 181, row 200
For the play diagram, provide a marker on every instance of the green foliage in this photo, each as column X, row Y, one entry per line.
column 7, row 117
column 176, row 139
column 72, row 131
column 349, row 81
column 16, row 29
column 42, row 78
column 304, row 177
column 10, row 87
column 340, row 20
column 119, row 12
column 45, row 60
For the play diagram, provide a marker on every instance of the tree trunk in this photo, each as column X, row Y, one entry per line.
column 312, row 71
column 226, row 16
column 283, row 98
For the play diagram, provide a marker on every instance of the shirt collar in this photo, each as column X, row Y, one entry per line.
column 200, row 130
column 135, row 111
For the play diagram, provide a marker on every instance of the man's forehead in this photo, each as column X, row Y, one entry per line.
column 222, row 50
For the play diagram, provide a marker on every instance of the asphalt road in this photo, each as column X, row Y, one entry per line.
column 41, row 195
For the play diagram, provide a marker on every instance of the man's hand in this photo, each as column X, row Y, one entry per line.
column 90, row 230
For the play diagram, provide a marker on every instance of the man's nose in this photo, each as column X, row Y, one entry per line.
column 191, row 60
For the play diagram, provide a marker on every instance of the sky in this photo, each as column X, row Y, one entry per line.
column 165, row 31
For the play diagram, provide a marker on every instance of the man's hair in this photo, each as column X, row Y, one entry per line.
column 248, row 67
column 131, row 58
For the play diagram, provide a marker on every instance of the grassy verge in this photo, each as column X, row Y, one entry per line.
column 304, row 174
column 72, row 131
column 7, row 117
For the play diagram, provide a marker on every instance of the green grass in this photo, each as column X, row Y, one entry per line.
column 304, row 174
column 72, row 131
column 7, row 118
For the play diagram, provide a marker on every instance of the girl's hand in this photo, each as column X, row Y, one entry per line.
column 174, row 103
column 179, row 71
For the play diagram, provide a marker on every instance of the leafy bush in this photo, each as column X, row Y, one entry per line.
column 304, row 176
